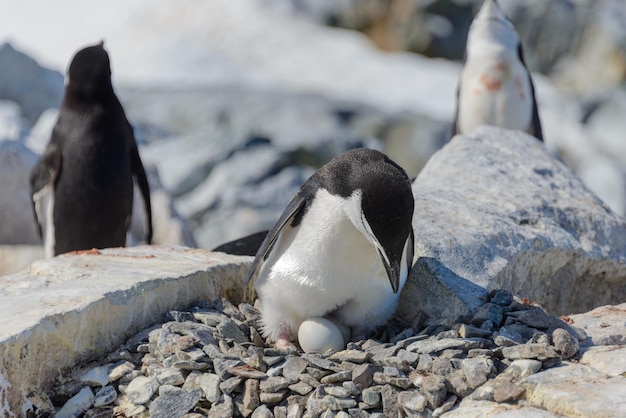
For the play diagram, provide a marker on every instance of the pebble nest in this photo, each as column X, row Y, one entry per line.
column 211, row 361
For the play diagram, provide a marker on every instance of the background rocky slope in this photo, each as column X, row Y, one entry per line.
column 235, row 105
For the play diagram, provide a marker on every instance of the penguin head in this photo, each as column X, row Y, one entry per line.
column 90, row 70
column 491, row 28
column 380, row 206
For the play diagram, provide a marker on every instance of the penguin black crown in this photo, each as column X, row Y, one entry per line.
column 342, row 248
column 82, row 186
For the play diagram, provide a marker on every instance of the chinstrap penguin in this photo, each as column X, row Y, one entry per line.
column 495, row 87
column 82, row 186
column 342, row 248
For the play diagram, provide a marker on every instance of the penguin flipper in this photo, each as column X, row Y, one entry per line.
column 410, row 251
column 142, row 181
column 42, row 178
column 295, row 206
column 535, row 127
column 455, row 121
column 535, row 124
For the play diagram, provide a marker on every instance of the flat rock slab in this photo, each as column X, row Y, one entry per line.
column 605, row 325
column 497, row 209
column 469, row 408
column 577, row 390
column 79, row 306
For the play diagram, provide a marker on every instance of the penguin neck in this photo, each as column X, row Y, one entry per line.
column 90, row 93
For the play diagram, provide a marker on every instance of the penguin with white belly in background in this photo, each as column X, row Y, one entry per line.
column 342, row 249
column 82, row 186
column 495, row 87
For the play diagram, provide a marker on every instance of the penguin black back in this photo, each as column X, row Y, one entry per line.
column 89, row 164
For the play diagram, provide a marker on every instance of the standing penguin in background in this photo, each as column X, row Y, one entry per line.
column 495, row 87
column 342, row 248
column 82, row 186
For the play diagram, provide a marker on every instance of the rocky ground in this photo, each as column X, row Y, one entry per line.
column 211, row 361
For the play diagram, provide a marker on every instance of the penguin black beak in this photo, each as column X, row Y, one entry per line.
column 393, row 271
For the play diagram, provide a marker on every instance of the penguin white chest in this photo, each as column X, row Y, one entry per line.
column 495, row 91
column 325, row 265
column 44, row 209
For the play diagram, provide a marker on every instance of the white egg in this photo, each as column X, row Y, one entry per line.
column 320, row 335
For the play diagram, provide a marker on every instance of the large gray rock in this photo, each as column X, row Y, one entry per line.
column 604, row 325
column 24, row 81
column 499, row 210
column 577, row 390
column 77, row 307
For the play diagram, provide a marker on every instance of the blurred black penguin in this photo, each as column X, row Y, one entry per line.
column 495, row 87
column 82, row 186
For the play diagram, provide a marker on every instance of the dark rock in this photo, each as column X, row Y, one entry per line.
column 385, row 379
column 535, row 318
column 506, row 391
column 371, row 396
column 338, row 377
column 231, row 385
column 250, row 397
column 179, row 316
column 389, row 396
column 529, row 351
column 309, row 380
column 246, row 372
column 506, row 337
column 439, row 292
column 565, row 343
column 432, row 386
column 489, row 311
column 411, row 401
column 501, row 297
column 274, row 384
column 363, row 375
column 293, row 367
column 222, row 366
column 229, row 329
column 174, row 402
column 224, row 408
column 457, row 384
column 301, row 388
column 316, row 406
column 477, row 370
column 468, row 331
column 262, row 411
